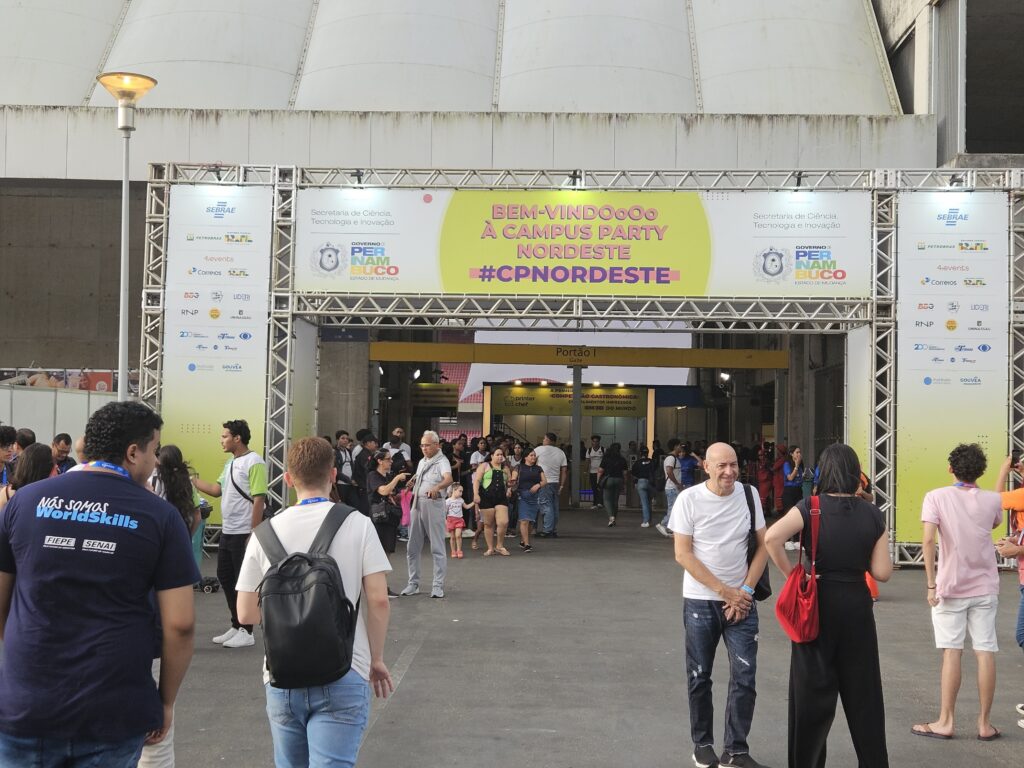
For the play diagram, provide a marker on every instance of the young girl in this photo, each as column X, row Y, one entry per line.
column 454, row 523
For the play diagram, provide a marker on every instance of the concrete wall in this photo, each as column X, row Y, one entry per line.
column 344, row 390
column 82, row 143
column 896, row 17
column 60, row 245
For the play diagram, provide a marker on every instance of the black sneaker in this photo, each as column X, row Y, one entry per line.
column 527, row 548
column 544, row 535
column 705, row 757
column 392, row 594
column 741, row 760
column 553, row 534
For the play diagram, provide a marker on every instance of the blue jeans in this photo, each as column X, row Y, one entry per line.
column 320, row 726
column 704, row 623
column 35, row 752
column 670, row 499
column 1020, row 620
column 547, row 498
column 643, row 490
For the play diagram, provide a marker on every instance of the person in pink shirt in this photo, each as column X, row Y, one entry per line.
column 964, row 593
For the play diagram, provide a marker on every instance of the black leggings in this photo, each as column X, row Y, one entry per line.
column 230, row 552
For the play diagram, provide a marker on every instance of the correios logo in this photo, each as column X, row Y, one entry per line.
column 205, row 272
column 933, row 281
column 220, row 210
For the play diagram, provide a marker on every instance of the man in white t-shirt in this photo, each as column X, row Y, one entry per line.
column 553, row 463
column 242, row 488
column 426, row 517
column 325, row 724
column 595, row 454
column 673, row 482
column 711, row 523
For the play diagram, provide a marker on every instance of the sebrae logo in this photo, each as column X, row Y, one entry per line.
column 221, row 209
column 952, row 217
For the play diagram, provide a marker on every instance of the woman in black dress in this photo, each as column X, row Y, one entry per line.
column 385, row 510
column 843, row 660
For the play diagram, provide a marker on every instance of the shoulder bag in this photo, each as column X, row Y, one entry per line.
column 797, row 606
column 763, row 588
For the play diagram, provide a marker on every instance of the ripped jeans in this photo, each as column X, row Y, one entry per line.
column 704, row 623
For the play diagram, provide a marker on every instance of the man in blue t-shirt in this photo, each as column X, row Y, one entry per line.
column 95, row 572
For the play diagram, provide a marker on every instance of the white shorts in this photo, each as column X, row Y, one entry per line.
column 953, row 617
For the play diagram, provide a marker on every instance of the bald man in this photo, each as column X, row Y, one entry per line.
column 711, row 523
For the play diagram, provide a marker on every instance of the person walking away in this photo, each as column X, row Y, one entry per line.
column 843, row 660
column 711, row 523
column 642, row 473
column 427, row 516
column 1012, row 545
column 242, row 488
column 964, row 592
column 324, row 725
column 91, row 562
column 611, row 476
column 673, row 482
column 594, row 456
column 555, row 466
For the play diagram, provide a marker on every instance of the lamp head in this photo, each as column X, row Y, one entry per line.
column 128, row 88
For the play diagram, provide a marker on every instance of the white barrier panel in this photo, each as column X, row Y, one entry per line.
column 48, row 412
column 952, row 342
column 216, row 306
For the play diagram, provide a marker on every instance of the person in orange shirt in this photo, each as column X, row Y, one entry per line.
column 1012, row 545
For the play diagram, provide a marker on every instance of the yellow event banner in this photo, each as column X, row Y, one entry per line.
column 511, row 400
column 583, row 242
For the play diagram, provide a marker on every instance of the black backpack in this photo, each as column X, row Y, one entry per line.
column 309, row 625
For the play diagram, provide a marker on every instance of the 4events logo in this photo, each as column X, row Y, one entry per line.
column 952, row 217
column 772, row 265
column 221, row 209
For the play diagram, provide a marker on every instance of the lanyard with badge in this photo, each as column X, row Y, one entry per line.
column 112, row 467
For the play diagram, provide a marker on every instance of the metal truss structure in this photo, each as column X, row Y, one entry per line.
column 719, row 314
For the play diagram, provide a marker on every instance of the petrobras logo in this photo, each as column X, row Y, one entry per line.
column 974, row 282
column 933, row 282
column 328, row 260
column 223, row 336
column 59, row 542
column 952, row 217
column 232, row 367
column 197, row 272
column 245, row 336
column 925, row 306
column 221, row 209
column 772, row 265
column 972, row 245
column 192, row 237
column 979, row 307
column 923, row 245
column 970, row 381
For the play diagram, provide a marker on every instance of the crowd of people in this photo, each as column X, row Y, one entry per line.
column 99, row 557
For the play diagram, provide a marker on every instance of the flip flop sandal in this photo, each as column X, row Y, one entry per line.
column 926, row 731
column 488, row 553
column 992, row 736
column 503, row 552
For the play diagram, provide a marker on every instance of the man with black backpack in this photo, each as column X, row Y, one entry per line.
column 309, row 574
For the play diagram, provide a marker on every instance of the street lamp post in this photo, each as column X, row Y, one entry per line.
column 127, row 88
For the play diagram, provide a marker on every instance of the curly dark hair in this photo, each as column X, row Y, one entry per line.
column 34, row 464
column 968, row 462
column 116, row 426
column 8, row 434
column 173, row 474
column 239, row 428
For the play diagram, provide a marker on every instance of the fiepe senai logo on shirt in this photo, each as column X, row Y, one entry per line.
column 220, row 209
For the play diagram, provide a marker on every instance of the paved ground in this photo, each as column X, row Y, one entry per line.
column 572, row 656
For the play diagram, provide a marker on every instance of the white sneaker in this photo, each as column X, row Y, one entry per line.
column 792, row 546
column 645, row 525
column 468, row 533
column 220, row 639
column 242, row 639
column 662, row 530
